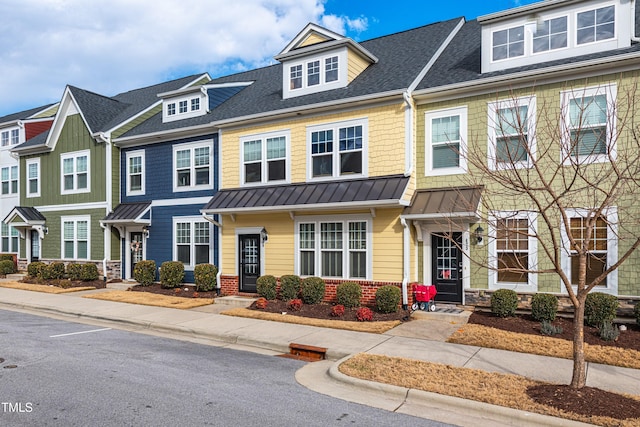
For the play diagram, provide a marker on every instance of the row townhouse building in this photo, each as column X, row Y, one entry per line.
column 377, row 161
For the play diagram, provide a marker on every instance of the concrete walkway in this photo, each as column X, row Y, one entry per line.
column 421, row 339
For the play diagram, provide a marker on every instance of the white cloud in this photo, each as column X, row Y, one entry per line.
column 117, row 45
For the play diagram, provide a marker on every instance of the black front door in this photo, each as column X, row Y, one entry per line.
column 35, row 246
column 446, row 267
column 249, row 261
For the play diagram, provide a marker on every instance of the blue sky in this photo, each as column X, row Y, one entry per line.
column 117, row 45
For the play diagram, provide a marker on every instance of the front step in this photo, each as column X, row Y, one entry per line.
column 16, row 276
column 236, row 301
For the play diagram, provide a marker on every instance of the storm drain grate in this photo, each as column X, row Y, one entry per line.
column 308, row 353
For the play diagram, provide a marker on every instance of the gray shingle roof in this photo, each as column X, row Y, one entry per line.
column 29, row 214
column 22, row 115
column 361, row 192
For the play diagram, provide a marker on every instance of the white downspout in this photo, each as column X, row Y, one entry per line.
column 406, row 264
column 408, row 133
column 219, row 225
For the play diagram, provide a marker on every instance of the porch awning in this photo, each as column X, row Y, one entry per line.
column 129, row 213
column 433, row 204
column 24, row 216
column 357, row 193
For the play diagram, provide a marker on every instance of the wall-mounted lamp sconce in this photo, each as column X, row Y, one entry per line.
column 145, row 231
column 479, row 236
column 45, row 230
column 264, row 235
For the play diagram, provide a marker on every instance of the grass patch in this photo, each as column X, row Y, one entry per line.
column 44, row 288
column 145, row 298
column 484, row 336
column 372, row 327
column 493, row 388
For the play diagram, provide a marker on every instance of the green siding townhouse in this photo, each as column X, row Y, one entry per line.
column 74, row 181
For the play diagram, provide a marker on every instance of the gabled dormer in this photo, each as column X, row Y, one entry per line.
column 184, row 103
column 554, row 30
column 318, row 59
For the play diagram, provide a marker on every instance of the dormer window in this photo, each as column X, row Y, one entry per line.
column 596, row 25
column 552, row 34
column 296, row 77
column 183, row 107
column 331, row 69
column 313, row 73
column 171, row 109
column 195, row 104
column 15, row 136
column 508, row 43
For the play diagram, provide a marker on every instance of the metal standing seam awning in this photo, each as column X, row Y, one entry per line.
column 26, row 217
column 454, row 203
column 129, row 214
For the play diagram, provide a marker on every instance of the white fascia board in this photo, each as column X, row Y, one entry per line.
column 523, row 10
column 163, row 136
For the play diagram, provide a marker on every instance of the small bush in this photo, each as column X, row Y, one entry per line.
column 6, row 257
column 547, row 328
column 289, row 287
column 504, row 302
column 171, row 274
column 267, row 287
column 74, row 271
column 609, row 332
column 145, row 272
column 348, row 294
column 388, row 299
column 89, row 272
column 337, row 310
column 53, row 271
column 544, row 307
column 636, row 311
column 205, row 277
column 600, row 308
column 6, row 267
column 261, row 303
column 364, row 314
column 312, row 290
column 295, row 304
column 34, row 269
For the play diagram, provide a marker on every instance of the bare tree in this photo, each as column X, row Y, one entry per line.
column 562, row 175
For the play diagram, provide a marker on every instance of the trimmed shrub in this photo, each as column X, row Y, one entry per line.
column 53, row 271
column 261, row 303
column 295, row 304
column 364, row 314
column 289, row 287
column 205, row 277
column 609, row 332
column 348, row 294
column 312, row 290
column 388, row 299
column 35, row 269
column 6, row 257
column 74, row 271
column 267, row 287
column 544, row 307
column 6, row 267
column 337, row 310
column 89, row 272
column 171, row 274
column 600, row 308
column 145, row 272
column 636, row 311
column 504, row 302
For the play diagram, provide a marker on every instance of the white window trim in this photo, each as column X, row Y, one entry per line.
column 570, row 31
column 335, row 126
column 508, row 27
column 12, row 234
column 345, row 220
column 74, row 155
column 493, row 107
column 264, row 162
column 532, row 278
column 192, row 146
column 9, row 181
column 75, row 220
column 611, row 92
column 462, row 112
column 192, row 255
column 574, row 27
column 129, row 155
column 323, row 85
column 612, row 248
column 36, row 162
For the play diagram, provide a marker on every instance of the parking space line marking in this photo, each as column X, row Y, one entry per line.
column 78, row 333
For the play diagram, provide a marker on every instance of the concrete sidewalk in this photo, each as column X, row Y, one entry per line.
column 421, row 339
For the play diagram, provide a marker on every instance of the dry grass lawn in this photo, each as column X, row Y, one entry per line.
column 483, row 336
column 373, row 327
column 145, row 298
column 43, row 288
column 494, row 388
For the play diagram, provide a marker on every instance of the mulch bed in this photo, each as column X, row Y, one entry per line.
column 184, row 291
column 65, row 283
column 588, row 401
column 323, row 311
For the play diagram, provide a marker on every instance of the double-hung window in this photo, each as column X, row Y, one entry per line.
column 75, row 237
column 313, row 73
column 75, row 172
column 596, row 25
column 135, row 173
column 338, row 150
column 10, row 238
column 446, row 134
column 589, row 120
column 195, row 104
column 512, row 133
column 295, row 77
column 192, row 241
column 550, row 35
column 508, row 43
column 9, row 180
column 15, row 136
column 193, row 166
column 171, row 109
column 33, row 177
column 182, row 107
column 264, row 158
column 321, row 72
column 331, row 69
column 4, row 136
column 512, row 249
column 334, row 248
